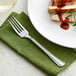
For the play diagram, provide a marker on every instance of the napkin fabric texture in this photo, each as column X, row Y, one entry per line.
column 30, row 51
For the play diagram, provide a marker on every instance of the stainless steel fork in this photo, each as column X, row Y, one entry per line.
column 22, row 32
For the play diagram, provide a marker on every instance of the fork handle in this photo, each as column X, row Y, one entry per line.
column 49, row 54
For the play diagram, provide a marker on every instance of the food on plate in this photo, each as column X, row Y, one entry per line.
column 71, row 19
column 67, row 8
column 63, row 11
column 62, row 2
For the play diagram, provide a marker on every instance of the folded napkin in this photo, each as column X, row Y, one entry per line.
column 30, row 51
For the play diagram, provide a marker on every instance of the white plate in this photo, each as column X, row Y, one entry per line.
column 38, row 13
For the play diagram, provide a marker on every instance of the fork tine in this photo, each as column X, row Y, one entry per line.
column 16, row 24
column 19, row 23
column 13, row 26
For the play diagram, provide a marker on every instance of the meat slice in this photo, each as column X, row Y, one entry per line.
column 55, row 17
column 62, row 6
column 62, row 2
column 67, row 8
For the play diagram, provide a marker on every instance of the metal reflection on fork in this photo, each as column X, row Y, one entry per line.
column 22, row 32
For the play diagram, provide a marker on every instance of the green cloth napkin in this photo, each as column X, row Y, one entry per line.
column 30, row 51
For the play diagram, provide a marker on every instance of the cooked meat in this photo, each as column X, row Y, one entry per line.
column 67, row 8
column 55, row 17
column 62, row 2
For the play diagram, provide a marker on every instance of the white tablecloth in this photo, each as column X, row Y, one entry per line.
column 11, row 64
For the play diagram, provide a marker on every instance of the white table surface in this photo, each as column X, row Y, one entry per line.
column 11, row 64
